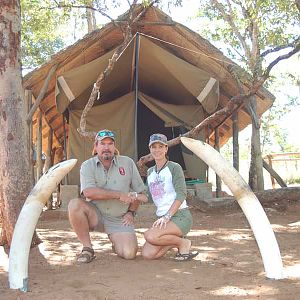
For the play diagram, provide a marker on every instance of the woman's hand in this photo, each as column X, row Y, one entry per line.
column 161, row 222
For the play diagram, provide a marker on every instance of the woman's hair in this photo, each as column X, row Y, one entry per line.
column 166, row 155
column 94, row 152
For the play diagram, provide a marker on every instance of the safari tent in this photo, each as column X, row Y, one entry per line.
column 168, row 79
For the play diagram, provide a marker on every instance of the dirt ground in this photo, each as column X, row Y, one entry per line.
column 229, row 264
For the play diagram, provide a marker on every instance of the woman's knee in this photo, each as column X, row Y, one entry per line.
column 150, row 236
column 148, row 254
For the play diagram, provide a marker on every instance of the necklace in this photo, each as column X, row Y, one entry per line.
column 158, row 171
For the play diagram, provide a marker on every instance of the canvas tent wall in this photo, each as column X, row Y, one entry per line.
column 168, row 88
column 153, row 116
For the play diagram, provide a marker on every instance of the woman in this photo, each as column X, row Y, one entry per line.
column 167, row 188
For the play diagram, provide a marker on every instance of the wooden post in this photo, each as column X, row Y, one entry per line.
column 48, row 162
column 270, row 164
column 274, row 174
column 207, row 172
column 65, row 146
column 41, row 94
column 218, row 179
column 235, row 141
column 39, row 163
column 28, row 103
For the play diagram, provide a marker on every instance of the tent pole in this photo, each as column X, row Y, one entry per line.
column 136, row 87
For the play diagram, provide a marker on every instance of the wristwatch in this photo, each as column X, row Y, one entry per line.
column 168, row 216
column 133, row 212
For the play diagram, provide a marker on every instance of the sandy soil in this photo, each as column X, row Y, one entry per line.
column 229, row 264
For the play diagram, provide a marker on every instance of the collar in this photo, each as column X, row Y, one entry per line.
column 98, row 161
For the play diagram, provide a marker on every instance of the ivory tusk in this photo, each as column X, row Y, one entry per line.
column 248, row 202
column 27, row 220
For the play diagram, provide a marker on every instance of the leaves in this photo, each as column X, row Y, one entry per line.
column 41, row 36
column 249, row 27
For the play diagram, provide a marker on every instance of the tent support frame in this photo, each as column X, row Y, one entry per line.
column 136, row 87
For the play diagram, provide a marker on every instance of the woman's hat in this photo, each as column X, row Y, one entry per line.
column 158, row 138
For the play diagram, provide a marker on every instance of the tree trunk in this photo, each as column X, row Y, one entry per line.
column 256, row 179
column 14, row 164
column 90, row 18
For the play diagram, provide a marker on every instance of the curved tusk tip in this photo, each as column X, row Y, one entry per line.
column 70, row 163
column 184, row 139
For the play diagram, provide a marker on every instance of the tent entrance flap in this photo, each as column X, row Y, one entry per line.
column 151, row 119
column 149, row 123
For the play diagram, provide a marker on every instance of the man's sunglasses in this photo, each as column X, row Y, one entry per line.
column 105, row 133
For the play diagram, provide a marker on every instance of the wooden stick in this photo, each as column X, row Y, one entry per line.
column 41, row 94
column 274, row 174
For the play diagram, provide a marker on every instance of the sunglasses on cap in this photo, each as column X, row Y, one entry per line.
column 104, row 134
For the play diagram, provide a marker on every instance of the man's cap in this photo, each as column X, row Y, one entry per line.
column 158, row 138
column 103, row 134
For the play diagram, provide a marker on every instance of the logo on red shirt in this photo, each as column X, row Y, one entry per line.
column 122, row 171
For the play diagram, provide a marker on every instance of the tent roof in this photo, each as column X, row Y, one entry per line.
column 160, row 74
column 171, row 41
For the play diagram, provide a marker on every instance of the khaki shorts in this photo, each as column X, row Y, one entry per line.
column 183, row 219
column 109, row 224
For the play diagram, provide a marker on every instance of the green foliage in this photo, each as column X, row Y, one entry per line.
column 48, row 25
column 277, row 22
column 41, row 36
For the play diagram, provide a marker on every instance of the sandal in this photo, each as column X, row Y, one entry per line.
column 86, row 256
column 186, row 256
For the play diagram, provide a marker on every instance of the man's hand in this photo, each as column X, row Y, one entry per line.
column 126, row 198
column 127, row 219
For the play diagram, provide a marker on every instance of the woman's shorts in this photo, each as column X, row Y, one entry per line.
column 110, row 224
column 184, row 220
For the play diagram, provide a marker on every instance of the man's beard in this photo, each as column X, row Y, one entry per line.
column 107, row 156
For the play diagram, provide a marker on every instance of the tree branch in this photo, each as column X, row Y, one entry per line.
column 275, row 62
column 59, row 5
column 281, row 47
column 230, row 21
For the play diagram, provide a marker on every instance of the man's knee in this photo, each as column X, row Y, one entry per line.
column 74, row 205
column 125, row 245
column 129, row 253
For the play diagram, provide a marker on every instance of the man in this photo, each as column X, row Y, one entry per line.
column 113, row 189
